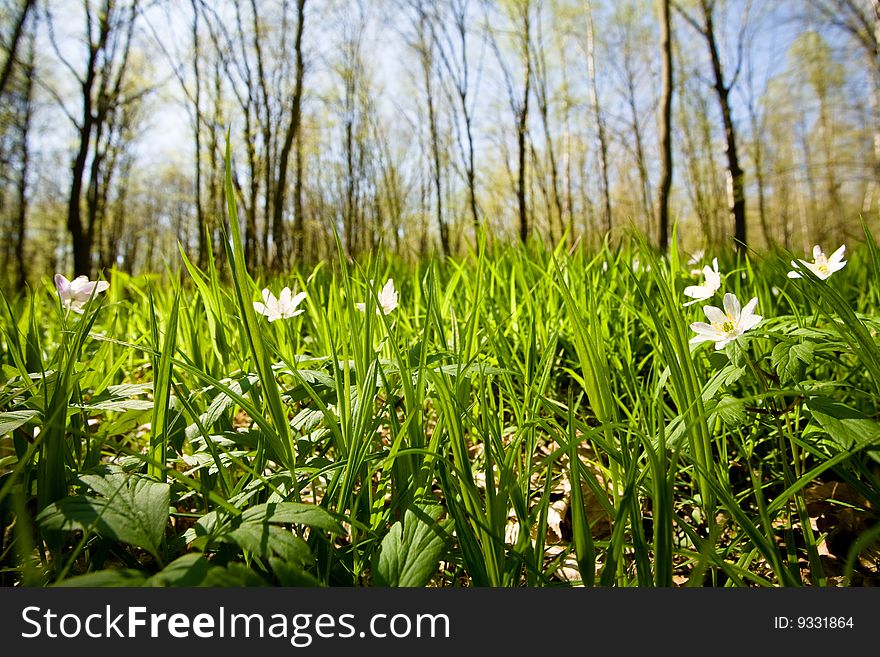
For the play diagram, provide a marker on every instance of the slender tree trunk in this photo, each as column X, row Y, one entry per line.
column 82, row 248
column 641, row 165
column 600, row 122
column 197, row 134
column 22, row 183
column 875, row 95
column 251, row 235
column 289, row 136
column 736, row 201
column 522, row 128
column 299, row 224
column 12, row 49
column 266, row 125
column 665, row 126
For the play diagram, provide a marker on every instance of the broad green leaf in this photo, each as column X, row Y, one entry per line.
column 268, row 540
column 192, row 570
column 846, row 426
column 731, row 410
column 290, row 574
column 411, row 551
column 132, row 509
column 789, row 360
column 119, row 405
column 294, row 513
column 106, row 578
column 12, row 420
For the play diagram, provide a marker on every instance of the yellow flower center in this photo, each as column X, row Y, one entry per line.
column 728, row 326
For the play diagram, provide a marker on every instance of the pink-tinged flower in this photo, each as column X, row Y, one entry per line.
column 387, row 299
column 284, row 307
column 75, row 294
column 727, row 325
column 822, row 266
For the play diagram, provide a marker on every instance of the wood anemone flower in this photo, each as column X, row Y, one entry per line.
column 284, row 307
column 727, row 325
column 711, row 283
column 822, row 266
column 75, row 294
column 387, row 299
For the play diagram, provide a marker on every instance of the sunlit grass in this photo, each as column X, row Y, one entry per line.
column 521, row 416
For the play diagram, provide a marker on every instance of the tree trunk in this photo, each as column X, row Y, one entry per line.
column 289, row 136
column 299, row 224
column 197, row 135
column 12, row 49
column 665, row 127
column 22, row 183
column 522, row 129
column 736, row 201
column 600, row 123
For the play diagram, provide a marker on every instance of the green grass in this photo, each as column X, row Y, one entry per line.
column 524, row 417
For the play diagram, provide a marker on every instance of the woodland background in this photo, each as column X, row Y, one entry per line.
column 415, row 124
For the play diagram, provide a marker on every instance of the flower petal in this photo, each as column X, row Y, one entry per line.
column 699, row 339
column 698, row 292
column 284, row 298
column 837, row 256
column 731, row 306
column 705, row 329
column 749, row 308
column 750, row 322
column 714, row 314
column 298, row 299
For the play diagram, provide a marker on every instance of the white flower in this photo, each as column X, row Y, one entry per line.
column 283, row 307
column 822, row 265
column 726, row 325
column 711, row 283
column 75, row 294
column 387, row 299
column 697, row 257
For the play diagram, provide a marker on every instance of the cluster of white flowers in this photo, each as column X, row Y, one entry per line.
column 75, row 294
column 285, row 306
column 727, row 325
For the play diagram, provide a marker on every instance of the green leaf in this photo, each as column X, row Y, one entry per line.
column 105, row 578
column 411, row 551
column 132, row 509
column 119, row 405
column 789, row 360
column 289, row 574
column 731, row 410
column 268, row 540
column 294, row 513
column 12, row 420
column 195, row 570
column 256, row 530
column 728, row 375
column 846, row 426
